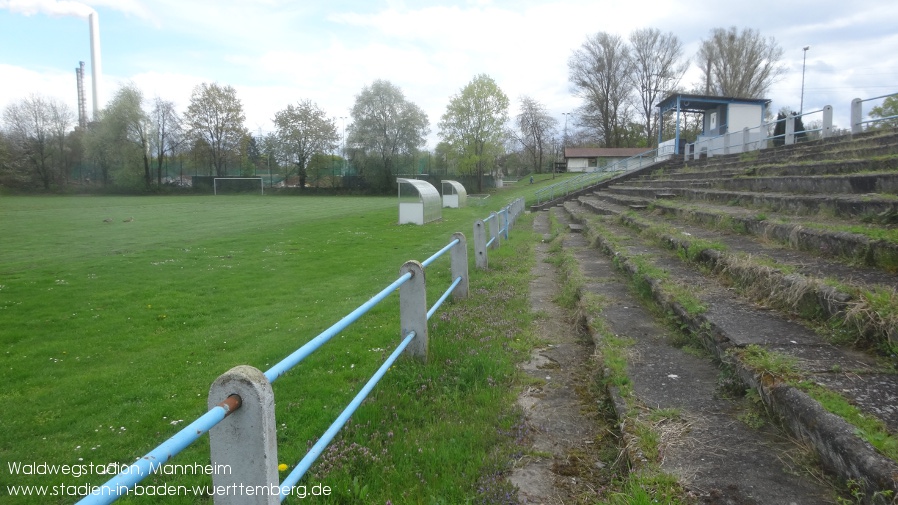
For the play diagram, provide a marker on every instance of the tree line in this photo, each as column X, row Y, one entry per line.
column 143, row 144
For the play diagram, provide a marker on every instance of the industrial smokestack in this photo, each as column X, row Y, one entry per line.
column 95, row 69
column 67, row 8
column 82, row 100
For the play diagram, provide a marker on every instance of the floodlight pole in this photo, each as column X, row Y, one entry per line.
column 803, row 62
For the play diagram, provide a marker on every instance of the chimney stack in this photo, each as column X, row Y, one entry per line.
column 94, row 21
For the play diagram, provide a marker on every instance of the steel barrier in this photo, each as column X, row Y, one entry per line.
column 247, row 443
column 499, row 225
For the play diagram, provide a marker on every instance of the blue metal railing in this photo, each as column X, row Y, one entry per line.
column 504, row 211
column 306, row 462
column 129, row 477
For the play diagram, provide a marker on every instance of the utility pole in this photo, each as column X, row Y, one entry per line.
column 803, row 62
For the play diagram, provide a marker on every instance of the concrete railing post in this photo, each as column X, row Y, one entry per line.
column 790, row 130
column 480, row 258
column 506, row 223
column 857, row 115
column 746, row 140
column 827, row 128
column 413, row 309
column 244, row 446
column 494, row 230
column 458, row 260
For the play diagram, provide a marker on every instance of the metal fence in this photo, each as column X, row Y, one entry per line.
column 586, row 179
column 857, row 113
column 747, row 139
column 763, row 137
column 497, row 225
column 247, row 444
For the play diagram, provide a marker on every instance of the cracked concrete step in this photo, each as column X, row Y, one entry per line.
column 712, row 452
column 882, row 182
column 748, row 168
column 558, row 422
column 820, row 237
column 816, row 267
column 730, row 323
column 840, row 205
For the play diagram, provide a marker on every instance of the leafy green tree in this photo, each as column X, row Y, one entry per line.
column 118, row 142
column 125, row 112
column 323, row 170
column 302, row 131
column 889, row 108
column 215, row 116
column 474, row 125
column 386, row 125
column 779, row 129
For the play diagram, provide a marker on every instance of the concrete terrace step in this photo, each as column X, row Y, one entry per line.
column 691, row 174
column 804, row 234
column 713, row 454
column 741, row 168
column 838, row 205
column 727, row 328
column 818, row 289
column 793, row 260
column 829, row 184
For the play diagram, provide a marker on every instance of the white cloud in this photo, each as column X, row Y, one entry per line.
column 48, row 7
column 275, row 52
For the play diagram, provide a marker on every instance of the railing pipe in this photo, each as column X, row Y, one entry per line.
column 439, row 253
column 494, row 231
column 140, row 469
column 306, row 462
column 442, row 298
column 300, row 354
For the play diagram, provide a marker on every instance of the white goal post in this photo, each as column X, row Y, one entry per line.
column 215, row 182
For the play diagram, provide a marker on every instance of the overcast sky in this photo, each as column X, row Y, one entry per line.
column 276, row 52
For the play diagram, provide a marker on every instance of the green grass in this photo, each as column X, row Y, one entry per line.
column 785, row 368
column 113, row 332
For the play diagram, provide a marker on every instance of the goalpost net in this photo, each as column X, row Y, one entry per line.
column 238, row 185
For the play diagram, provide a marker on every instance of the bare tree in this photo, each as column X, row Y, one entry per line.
column 36, row 127
column 657, row 70
column 215, row 116
column 166, row 132
column 599, row 72
column 739, row 64
column 536, row 130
